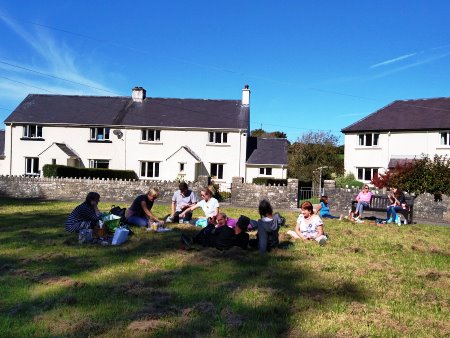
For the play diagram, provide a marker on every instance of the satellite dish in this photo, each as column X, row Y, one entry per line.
column 118, row 133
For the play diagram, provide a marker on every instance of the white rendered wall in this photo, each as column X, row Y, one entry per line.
column 391, row 145
column 127, row 152
column 277, row 172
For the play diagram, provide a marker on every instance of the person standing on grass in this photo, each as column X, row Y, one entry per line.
column 86, row 215
column 324, row 210
column 363, row 200
column 398, row 202
column 139, row 213
column 309, row 226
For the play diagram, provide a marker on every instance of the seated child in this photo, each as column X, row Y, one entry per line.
column 86, row 215
column 324, row 210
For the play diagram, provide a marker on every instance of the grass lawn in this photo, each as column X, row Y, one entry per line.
column 368, row 280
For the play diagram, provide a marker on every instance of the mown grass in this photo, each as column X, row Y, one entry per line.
column 367, row 281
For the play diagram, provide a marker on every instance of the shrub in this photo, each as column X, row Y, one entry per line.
column 55, row 170
column 348, row 181
column 269, row 181
column 418, row 176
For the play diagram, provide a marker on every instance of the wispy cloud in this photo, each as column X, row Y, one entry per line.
column 50, row 57
column 394, row 60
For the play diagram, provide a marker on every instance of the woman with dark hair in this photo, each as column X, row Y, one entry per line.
column 86, row 215
column 267, row 227
column 397, row 199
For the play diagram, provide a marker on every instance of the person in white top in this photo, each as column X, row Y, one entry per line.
column 309, row 226
column 209, row 205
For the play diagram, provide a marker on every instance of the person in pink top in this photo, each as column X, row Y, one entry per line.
column 363, row 199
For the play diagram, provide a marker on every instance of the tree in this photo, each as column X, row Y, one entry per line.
column 313, row 150
column 418, row 176
column 266, row 134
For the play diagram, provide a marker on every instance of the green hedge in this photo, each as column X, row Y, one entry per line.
column 55, row 170
column 269, row 181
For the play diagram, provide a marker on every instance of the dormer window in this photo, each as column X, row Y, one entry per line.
column 150, row 135
column 32, row 131
column 217, row 137
column 99, row 134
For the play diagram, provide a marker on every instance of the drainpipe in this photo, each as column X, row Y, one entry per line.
column 10, row 151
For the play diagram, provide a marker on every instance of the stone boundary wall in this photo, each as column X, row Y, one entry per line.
column 243, row 194
column 249, row 194
column 425, row 208
column 77, row 189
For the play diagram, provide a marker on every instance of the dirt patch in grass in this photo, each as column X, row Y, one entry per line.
column 231, row 319
column 48, row 279
column 161, row 305
column 146, row 325
column 20, row 273
column 354, row 249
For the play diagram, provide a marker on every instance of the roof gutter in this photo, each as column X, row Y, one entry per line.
column 10, row 150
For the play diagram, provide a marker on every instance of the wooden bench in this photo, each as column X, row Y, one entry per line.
column 381, row 202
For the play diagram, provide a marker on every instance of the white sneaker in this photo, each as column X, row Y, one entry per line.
column 169, row 220
column 359, row 220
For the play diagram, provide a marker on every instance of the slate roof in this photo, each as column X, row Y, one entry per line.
column 393, row 162
column 267, row 151
column 406, row 115
column 123, row 111
column 2, row 142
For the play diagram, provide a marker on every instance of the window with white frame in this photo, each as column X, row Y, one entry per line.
column 151, row 135
column 32, row 131
column 182, row 166
column 100, row 134
column 265, row 171
column 366, row 174
column 368, row 139
column 445, row 138
column 149, row 169
column 217, row 170
column 32, row 166
column 217, row 137
column 104, row 164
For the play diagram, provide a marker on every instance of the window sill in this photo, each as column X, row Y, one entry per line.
column 32, row 139
column 99, row 141
column 368, row 148
column 151, row 142
column 444, row 147
column 218, row 145
column 149, row 178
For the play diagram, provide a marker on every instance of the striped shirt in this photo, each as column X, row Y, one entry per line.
column 82, row 217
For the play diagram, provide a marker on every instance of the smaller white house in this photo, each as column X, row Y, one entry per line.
column 399, row 132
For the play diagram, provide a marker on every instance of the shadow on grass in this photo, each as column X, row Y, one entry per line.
column 202, row 292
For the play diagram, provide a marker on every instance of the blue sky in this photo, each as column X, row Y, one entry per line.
column 311, row 65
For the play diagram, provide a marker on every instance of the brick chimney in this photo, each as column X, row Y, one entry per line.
column 138, row 94
column 246, row 95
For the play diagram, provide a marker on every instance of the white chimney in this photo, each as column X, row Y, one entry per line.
column 138, row 94
column 246, row 96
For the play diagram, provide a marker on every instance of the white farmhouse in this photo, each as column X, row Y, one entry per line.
column 158, row 138
column 401, row 131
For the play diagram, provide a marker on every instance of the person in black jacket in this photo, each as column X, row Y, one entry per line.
column 221, row 236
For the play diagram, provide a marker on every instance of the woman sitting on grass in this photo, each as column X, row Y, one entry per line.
column 86, row 215
column 209, row 205
column 309, row 226
column 140, row 211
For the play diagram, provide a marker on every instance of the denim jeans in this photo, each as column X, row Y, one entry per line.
column 360, row 207
column 392, row 212
column 139, row 221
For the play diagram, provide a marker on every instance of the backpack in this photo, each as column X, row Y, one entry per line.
column 118, row 211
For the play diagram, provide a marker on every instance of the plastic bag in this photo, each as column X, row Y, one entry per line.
column 111, row 222
column 120, row 236
column 202, row 222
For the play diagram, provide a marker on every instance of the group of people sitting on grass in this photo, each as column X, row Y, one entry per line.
column 218, row 230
